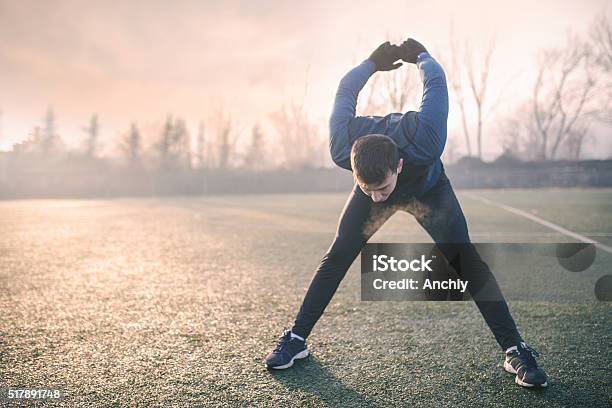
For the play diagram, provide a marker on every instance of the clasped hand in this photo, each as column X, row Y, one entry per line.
column 386, row 55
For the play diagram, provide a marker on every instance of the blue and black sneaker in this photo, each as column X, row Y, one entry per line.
column 288, row 349
column 520, row 360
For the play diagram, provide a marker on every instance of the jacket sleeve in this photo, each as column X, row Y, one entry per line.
column 427, row 144
column 343, row 119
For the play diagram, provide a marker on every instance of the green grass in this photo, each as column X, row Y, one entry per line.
column 176, row 301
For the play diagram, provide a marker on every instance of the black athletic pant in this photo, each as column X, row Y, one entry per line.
column 440, row 214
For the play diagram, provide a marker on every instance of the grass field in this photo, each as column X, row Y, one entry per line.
column 176, row 301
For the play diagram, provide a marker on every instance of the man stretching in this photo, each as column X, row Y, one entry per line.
column 396, row 164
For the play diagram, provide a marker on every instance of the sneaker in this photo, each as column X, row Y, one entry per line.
column 287, row 350
column 520, row 360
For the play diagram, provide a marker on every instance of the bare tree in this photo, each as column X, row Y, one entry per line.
column 519, row 137
column 255, row 155
column 50, row 138
column 601, row 38
column 455, row 79
column 575, row 140
column 199, row 153
column 478, row 86
column 510, row 129
column 165, row 143
column 601, row 42
column 225, row 145
column 182, row 145
column 298, row 135
column 561, row 95
column 132, row 145
column 91, row 131
column 221, row 149
column 174, row 145
column 469, row 83
column 43, row 139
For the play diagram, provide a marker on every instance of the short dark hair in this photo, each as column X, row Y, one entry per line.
column 372, row 156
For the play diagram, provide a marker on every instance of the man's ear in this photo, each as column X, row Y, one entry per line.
column 400, row 164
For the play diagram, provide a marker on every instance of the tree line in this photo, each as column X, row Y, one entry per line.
column 571, row 93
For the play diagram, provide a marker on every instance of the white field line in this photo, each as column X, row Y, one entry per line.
column 541, row 221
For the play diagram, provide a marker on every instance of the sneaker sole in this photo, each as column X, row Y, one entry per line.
column 520, row 382
column 509, row 368
column 301, row 354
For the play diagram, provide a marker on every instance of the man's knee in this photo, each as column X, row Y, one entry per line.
column 452, row 229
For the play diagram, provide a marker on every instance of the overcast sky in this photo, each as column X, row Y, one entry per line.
column 141, row 60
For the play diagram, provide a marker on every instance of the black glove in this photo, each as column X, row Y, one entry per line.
column 410, row 50
column 385, row 56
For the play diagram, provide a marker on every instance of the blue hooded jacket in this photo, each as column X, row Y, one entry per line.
column 420, row 135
